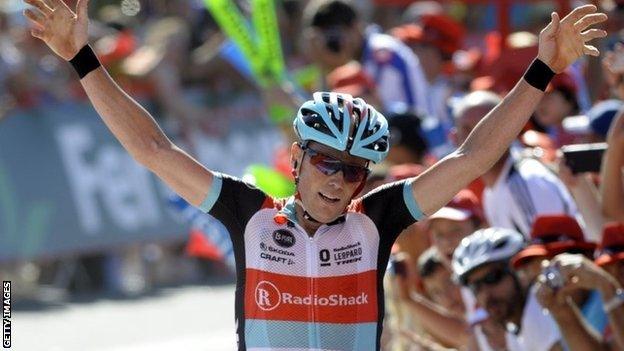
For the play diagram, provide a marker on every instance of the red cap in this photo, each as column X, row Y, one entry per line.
column 463, row 206
column 438, row 30
column 562, row 81
column 611, row 248
column 350, row 79
column 552, row 235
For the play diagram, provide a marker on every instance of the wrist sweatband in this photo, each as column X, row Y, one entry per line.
column 539, row 75
column 85, row 61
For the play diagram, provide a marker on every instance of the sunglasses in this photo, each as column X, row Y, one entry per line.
column 330, row 166
column 492, row 278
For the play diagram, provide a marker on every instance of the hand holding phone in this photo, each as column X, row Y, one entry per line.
column 584, row 157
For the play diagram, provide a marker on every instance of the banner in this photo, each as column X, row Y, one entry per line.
column 66, row 185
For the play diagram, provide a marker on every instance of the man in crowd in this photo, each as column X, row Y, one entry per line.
column 336, row 35
column 569, row 273
column 482, row 263
column 517, row 190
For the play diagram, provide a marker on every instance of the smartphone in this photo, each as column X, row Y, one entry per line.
column 584, row 157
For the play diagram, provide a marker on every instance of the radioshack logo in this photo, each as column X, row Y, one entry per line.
column 268, row 296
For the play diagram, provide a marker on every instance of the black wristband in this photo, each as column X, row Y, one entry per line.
column 85, row 61
column 538, row 75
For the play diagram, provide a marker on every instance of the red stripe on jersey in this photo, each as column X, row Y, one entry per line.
column 341, row 299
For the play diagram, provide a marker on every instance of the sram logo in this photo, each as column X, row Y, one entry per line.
column 268, row 297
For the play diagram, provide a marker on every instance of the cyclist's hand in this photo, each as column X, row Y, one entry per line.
column 64, row 31
column 563, row 41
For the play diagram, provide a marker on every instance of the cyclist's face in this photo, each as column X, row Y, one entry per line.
column 325, row 196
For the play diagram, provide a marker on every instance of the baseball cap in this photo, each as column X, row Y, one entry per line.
column 601, row 115
column 611, row 248
column 350, row 79
column 463, row 206
column 438, row 30
column 552, row 235
column 563, row 82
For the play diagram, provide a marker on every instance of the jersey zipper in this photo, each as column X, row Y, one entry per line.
column 311, row 272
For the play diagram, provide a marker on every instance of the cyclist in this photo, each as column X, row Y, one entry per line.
column 309, row 268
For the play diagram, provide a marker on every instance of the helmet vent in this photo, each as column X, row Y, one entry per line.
column 500, row 244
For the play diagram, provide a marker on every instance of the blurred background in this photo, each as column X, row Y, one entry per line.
column 103, row 256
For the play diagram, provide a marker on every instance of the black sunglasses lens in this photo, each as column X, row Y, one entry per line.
column 329, row 166
column 354, row 174
column 325, row 165
column 490, row 279
column 493, row 277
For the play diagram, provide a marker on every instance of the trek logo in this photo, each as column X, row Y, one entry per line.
column 268, row 297
column 284, row 238
column 341, row 255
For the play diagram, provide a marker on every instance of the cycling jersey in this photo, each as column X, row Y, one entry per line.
column 296, row 292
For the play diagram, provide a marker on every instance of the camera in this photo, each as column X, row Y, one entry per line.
column 554, row 279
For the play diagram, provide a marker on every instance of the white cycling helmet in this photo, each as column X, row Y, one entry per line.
column 343, row 123
column 485, row 246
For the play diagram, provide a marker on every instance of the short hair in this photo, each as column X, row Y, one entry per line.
column 329, row 13
column 481, row 98
column 405, row 130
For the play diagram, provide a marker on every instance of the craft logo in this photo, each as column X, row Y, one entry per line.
column 6, row 314
column 268, row 296
column 284, row 238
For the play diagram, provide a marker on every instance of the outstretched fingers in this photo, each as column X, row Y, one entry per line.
column 553, row 27
column 589, row 20
column 35, row 17
column 591, row 50
column 41, row 6
column 579, row 13
column 592, row 34
column 55, row 4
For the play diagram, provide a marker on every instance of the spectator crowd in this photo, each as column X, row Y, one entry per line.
column 528, row 257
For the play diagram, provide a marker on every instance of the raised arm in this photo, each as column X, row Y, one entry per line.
column 612, row 187
column 65, row 32
column 560, row 44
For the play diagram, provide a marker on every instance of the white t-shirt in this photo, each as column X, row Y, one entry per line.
column 524, row 190
column 538, row 330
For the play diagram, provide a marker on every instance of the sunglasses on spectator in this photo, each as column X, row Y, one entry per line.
column 491, row 279
column 329, row 166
